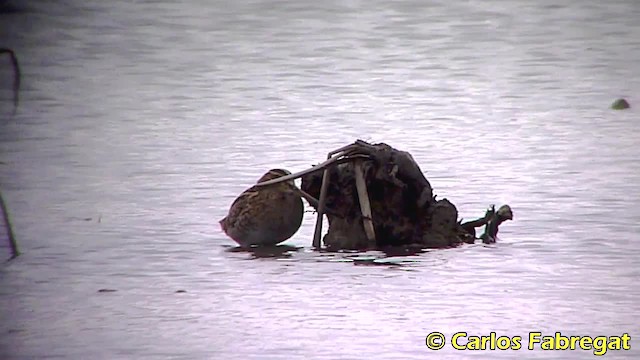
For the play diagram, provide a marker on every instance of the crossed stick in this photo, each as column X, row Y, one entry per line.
column 349, row 153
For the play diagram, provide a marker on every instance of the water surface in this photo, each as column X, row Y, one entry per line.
column 141, row 122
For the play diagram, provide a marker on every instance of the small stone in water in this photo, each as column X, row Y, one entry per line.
column 620, row 104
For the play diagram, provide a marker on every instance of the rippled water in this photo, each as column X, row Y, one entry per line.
column 140, row 122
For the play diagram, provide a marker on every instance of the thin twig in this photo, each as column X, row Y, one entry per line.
column 330, row 162
column 323, row 199
column 7, row 223
column 16, row 77
column 314, row 202
column 365, row 205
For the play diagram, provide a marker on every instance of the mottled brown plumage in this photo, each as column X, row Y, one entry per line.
column 265, row 215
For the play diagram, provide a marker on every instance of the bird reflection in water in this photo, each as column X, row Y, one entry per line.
column 268, row 252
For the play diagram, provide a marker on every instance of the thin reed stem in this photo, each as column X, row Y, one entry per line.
column 16, row 77
column 7, row 223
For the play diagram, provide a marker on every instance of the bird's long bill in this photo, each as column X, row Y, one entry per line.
column 331, row 162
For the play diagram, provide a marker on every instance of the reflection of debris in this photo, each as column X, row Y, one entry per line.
column 276, row 252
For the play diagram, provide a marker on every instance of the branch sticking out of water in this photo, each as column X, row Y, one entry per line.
column 16, row 77
column 7, row 223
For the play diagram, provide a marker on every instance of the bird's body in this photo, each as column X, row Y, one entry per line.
column 263, row 216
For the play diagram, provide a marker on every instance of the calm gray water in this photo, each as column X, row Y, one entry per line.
column 140, row 122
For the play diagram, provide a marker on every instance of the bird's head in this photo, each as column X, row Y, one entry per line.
column 274, row 174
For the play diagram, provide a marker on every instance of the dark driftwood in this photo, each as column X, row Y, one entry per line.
column 403, row 208
column 375, row 196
